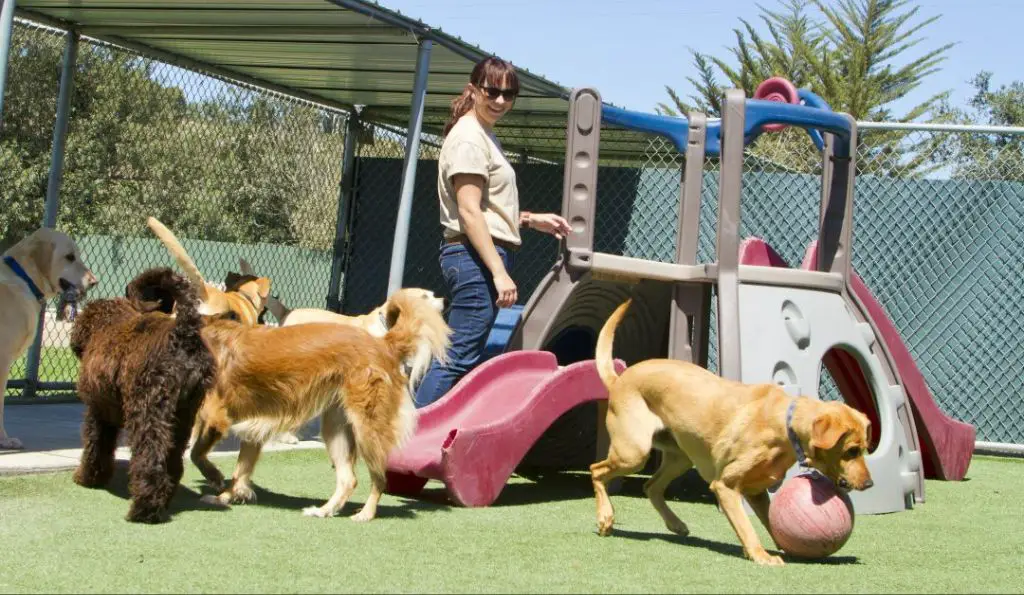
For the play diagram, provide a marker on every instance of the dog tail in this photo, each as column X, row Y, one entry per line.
column 605, row 342
column 180, row 255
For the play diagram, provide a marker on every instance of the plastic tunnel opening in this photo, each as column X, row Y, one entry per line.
column 842, row 378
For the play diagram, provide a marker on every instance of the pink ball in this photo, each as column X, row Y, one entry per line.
column 810, row 517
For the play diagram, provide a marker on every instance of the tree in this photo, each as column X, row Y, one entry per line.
column 987, row 156
column 209, row 159
column 847, row 52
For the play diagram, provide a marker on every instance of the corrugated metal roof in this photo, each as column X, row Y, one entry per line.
column 339, row 53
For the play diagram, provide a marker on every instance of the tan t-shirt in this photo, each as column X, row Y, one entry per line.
column 469, row 149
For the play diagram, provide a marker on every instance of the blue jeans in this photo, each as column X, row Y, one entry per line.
column 471, row 315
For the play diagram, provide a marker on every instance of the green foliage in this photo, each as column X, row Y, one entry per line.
column 209, row 159
column 852, row 53
column 988, row 156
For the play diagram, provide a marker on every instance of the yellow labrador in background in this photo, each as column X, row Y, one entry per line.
column 375, row 322
column 40, row 266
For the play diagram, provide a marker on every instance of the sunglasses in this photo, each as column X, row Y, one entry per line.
column 494, row 92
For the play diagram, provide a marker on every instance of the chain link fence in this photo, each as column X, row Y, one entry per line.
column 235, row 172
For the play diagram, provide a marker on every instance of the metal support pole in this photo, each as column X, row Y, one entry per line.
column 60, row 129
column 412, row 149
column 345, row 198
column 6, row 31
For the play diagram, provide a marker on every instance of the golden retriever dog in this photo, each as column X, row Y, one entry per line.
column 245, row 295
column 275, row 379
column 40, row 266
column 374, row 322
column 741, row 438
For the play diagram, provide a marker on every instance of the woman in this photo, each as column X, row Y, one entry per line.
column 481, row 219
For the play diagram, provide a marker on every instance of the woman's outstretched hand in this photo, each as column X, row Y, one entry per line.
column 549, row 223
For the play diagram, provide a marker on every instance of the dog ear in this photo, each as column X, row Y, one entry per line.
column 42, row 255
column 826, row 431
column 246, row 268
column 391, row 314
column 231, row 279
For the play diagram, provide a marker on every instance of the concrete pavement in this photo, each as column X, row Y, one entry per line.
column 50, row 433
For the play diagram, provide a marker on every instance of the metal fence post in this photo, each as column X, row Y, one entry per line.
column 412, row 147
column 345, row 198
column 60, row 129
column 6, row 31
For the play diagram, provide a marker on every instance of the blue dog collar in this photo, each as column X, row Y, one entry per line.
column 20, row 272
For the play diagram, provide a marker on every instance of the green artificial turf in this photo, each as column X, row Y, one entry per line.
column 539, row 537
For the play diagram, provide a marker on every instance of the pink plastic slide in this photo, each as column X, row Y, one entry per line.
column 946, row 444
column 473, row 438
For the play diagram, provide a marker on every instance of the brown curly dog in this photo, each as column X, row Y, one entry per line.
column 147, row 372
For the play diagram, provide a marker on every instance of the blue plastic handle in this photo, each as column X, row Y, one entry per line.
column 815, row 116
column 675, row 129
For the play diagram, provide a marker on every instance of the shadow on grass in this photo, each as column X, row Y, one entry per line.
column 728, row 549
column 408, row 508
column 185, row 499
column 555, row 485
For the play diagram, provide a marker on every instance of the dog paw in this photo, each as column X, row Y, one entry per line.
column 147, row 515
column 317, row 511
column 604, row 528
column 678, row 527
column 242, row 494
column 215, row 501
column 769, row 560
column 362, row 516
column 9, row 443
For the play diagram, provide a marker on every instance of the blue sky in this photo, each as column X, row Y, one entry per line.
column 630, row 49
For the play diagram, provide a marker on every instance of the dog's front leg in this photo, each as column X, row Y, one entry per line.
column 731, row 502
column 760, row 502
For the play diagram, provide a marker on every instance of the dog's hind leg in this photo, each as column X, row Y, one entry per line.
column 207, row 436
column 99, row 441
column 375, row 455
column 673, row 464
column 150, row 426
column 241, row 481
column 341, row 448
column 6, row 442
column 182, row 429
column 631, row 427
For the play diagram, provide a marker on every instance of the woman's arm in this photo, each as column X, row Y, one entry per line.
column 469, row 196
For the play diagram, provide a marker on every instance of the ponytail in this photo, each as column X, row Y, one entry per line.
column 460, row 107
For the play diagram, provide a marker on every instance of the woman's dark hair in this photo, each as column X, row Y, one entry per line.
column 489, row 71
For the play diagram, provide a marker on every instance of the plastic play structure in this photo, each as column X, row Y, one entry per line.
column 775, row 323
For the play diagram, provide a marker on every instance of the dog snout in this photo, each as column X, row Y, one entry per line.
column 868, row 484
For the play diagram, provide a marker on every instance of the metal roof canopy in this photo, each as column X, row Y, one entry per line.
column 338, row 53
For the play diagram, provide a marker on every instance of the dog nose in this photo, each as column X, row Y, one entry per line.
column 90, row 280
column 867, row 484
